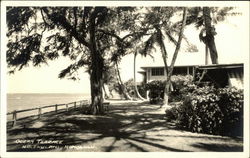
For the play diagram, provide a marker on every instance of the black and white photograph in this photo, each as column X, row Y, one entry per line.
column 91, row 78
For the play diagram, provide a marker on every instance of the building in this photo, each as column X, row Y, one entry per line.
column 151, row 73
column 220, row 75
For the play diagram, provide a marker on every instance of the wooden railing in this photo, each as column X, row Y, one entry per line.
column 68, row 106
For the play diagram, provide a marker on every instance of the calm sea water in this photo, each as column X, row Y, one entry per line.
column 18, row 101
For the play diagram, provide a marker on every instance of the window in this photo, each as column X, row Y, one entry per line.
column 180, row 71
column 157, row 72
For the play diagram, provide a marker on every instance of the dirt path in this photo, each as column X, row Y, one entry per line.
column 127, row 127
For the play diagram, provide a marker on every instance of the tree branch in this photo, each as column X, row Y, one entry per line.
column 111, row 34
column 121, row 39
column 75, row 16
column 178, row 43
column 61, row 20
column 171, row 37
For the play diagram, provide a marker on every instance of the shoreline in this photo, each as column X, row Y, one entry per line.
column 34, row 113
column 40, row 110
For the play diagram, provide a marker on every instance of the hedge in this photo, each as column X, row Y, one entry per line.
column 211, row 110
column 181, row 85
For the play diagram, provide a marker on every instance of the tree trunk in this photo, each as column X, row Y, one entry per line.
column 135, row 85
column 96, row 91
column 163, row 49
column 210, row 32
column 123, row 88
column 164, row 57
column 168, row 82
column 96, row 73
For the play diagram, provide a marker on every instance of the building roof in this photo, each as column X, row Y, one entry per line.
column 211, row 66
column 141, row 72
column 221, row 66
column 146, row 67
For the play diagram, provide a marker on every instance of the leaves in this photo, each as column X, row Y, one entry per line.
column 39, row 34
column 66, row 71
column 148, row 46
column 17, row 17
column 38, row 59
column 21, row 52
column 211, row 110
column 218, row 14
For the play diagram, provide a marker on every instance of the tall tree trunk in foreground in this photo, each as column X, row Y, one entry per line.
column 135, row 85
column 96, row 74
column 164, row 57
column 210, row 32
column 163, row 49
column 168, row 82
column 122, row 86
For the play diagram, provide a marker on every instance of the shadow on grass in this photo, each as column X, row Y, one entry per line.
column 219, row 147
column 126, row 125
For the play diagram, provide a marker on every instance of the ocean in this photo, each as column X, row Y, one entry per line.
column 20, row 101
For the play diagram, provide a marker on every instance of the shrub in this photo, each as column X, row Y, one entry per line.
column 231, row 103
column 130, row 87
column 181, row 86
column 156, row 91
column 172, row 113
column 213, row 111
column 142, row 90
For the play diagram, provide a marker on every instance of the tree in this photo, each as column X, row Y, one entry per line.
column 108, row 78
column 39, row 34
column 121, row 84
column 168, row 82
column 111, row 79
column 210, row 32
column 135, row 84
column 127, row 42
column 161, row 26
column 204, row 17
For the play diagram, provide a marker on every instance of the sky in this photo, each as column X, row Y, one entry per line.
column 232, row 42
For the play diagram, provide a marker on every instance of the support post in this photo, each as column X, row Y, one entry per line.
column 56, row 108
column 75, row 105
column 14, row 118
column 39, row 112
column 206, row 55
column 67, row 107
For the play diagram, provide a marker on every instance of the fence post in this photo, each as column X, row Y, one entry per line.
column 56, row 108
column 67, row 108
column 75, row 105
column 39, row 112
column 14, row 117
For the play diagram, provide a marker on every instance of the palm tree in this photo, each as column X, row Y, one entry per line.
column 121, row 84
column 210, row 33
column 157, row 37
column 203, row 17
column 168, row 82
column 135, row 84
